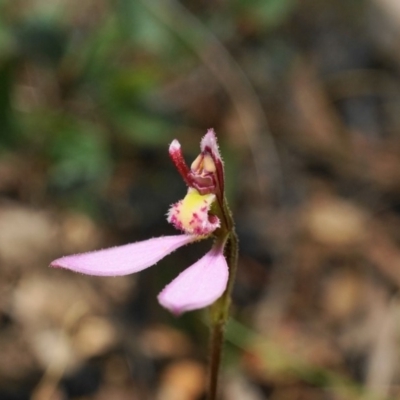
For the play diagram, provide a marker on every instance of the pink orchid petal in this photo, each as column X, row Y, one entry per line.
column 198, row 286
column 209, row 142
column 126, row 259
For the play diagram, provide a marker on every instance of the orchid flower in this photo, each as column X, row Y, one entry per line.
column 202, row 213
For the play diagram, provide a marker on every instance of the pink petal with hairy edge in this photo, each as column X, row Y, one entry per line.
column 210, row 141
column 126, row 259
column 198, row 286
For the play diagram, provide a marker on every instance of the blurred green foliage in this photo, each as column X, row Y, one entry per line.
column 265, row 13
column 78, row 79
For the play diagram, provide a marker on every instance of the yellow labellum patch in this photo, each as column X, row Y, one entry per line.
column 191, row 213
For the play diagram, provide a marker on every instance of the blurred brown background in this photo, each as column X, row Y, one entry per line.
column 305, row 99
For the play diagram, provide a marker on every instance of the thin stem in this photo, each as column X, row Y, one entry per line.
column 216, row 344
column 220, row 311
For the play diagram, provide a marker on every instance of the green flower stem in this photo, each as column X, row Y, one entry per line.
column 216, row 344
column 220, row 309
